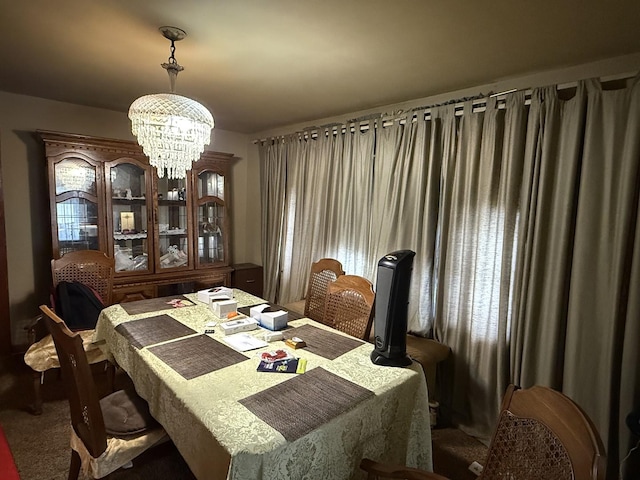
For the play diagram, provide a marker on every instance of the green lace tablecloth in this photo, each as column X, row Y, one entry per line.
column 221, row 438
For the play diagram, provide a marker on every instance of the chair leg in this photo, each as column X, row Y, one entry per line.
column 74, row 468
column 111, row 375
column 38, row 379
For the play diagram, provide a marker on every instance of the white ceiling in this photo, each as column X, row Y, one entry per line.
column 261, row 64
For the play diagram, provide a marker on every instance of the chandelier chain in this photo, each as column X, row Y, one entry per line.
column 172, row 57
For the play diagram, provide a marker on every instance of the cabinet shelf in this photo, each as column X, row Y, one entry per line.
column 129, row 236
column 123, row 200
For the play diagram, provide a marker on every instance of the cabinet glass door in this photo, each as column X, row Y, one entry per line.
column 76, row 206
column 130, row 218
column 173, row 224
column 211, row 219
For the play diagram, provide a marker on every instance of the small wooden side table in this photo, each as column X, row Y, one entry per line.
column 247, row 277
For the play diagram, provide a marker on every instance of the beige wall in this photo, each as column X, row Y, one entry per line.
column 26, row 191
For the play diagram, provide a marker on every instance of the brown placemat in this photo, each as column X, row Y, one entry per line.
column 195, row 356
column 156, row 304
column 303, row 403
column 152, row 330
column 272, row 308
column 323, row 342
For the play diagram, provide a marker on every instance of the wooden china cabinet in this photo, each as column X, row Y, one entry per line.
column 167, row 236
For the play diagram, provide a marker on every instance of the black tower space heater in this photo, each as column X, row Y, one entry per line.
column 391, row 309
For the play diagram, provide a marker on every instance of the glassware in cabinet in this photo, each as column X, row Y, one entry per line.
column 211, row 217
column 130, row 219
column 77, row 211
column 173, row 222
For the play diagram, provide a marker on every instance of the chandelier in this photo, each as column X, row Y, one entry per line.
column 171, row 129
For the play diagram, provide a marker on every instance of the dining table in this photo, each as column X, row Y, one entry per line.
column 229, row 420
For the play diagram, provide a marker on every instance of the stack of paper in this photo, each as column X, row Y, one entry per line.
column 244, row 341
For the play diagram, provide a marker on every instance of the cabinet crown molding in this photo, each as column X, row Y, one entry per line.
column 76, row 141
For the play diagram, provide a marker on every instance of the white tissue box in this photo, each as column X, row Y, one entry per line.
column 256, row 310
column 215, row 293
column 222, row 308
column 237, row 326
column 274, row 320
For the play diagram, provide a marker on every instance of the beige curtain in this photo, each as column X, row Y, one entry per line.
column 349, row 205
column 405, row 207
column 273, row 162
column 550, row 186
column 307, row 190
column 316, row 207
column 482, row 174
column 525, row 223
column 355, row 195
column 577, row 322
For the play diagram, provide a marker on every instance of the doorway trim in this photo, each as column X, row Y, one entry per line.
column 5, row 321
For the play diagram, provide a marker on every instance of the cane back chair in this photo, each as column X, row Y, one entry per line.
column 349, row 306
column 541, row 434
column 322, row 274
column 89, row 267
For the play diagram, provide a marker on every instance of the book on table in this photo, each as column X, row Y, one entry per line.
column 281, row 361
column 291, row 365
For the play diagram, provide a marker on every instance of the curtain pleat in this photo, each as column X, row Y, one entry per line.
column 273, row 162
column 629, row 372
column 576, row 323
column 349, row 207
column 602, row 257
column 405, row 208
column 552, row 166
column 307, row 188
column 477, row 248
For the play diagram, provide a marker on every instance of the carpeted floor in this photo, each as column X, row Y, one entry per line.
column 454, row 451
column 40, row 444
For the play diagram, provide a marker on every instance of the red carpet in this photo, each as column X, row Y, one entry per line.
column 8, row 470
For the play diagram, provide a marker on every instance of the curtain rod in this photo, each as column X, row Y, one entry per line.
column 479, row 104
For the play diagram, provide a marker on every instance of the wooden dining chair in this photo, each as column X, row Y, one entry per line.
column 89, row 267
column 93, row 269
column 541, row 433
column 323, row 272
column 106, row 434
column 349, row 305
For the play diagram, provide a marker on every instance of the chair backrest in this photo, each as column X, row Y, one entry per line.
column 542, row 430
column 349, row 305
column 323, row 272
column 89, row 267
column 84, row 404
